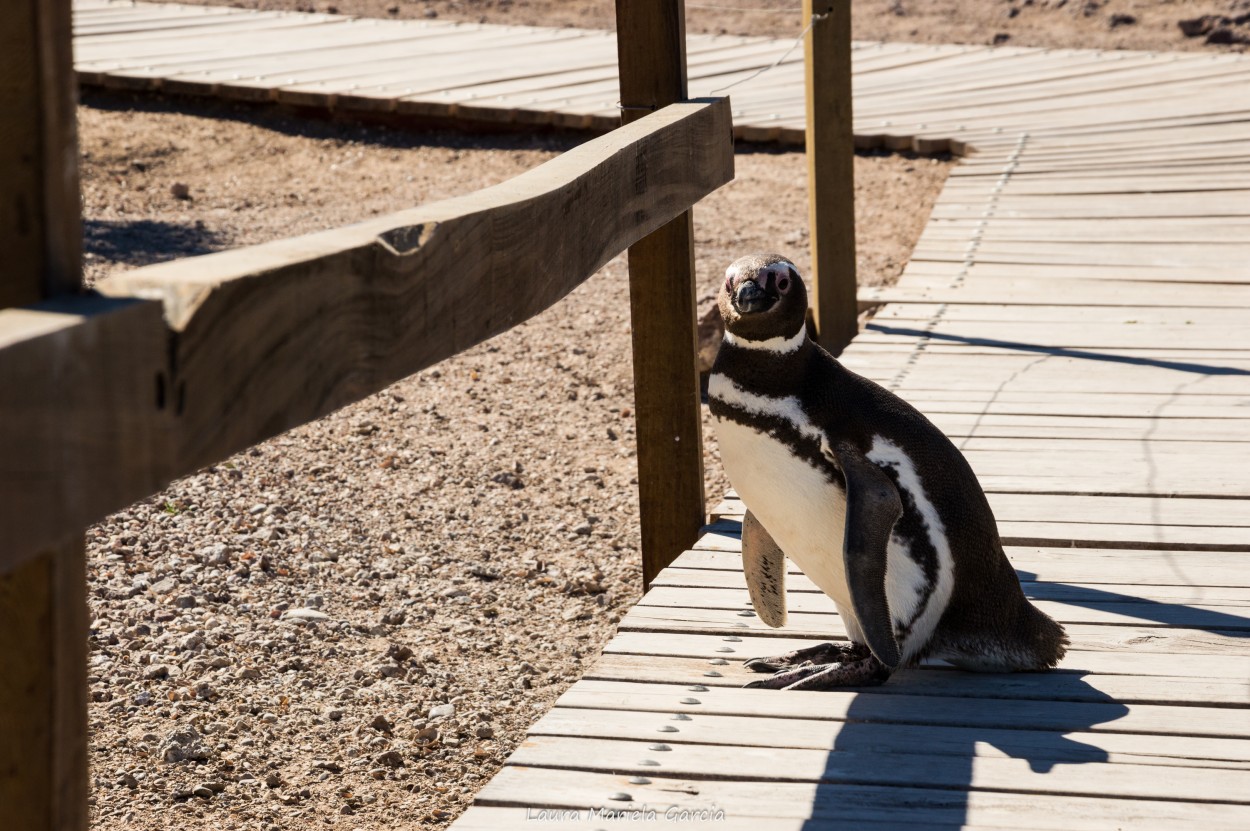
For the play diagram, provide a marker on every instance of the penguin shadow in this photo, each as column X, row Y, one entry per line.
column 915, row 762
column 959, row 727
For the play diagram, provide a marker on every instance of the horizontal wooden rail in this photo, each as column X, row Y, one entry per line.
column 105, row 399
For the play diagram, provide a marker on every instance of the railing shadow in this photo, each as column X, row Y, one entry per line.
column 1165, row 614
column 139, row 242
column 1059, row 351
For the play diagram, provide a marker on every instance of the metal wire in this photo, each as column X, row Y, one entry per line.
column 798, row 40
column 741, row 8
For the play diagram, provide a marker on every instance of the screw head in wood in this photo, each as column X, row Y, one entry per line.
column 691, row 701
column 697, row 688
column 661, row 748
column 620, row 796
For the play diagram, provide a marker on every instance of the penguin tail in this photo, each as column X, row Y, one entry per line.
column 1042, row 638
column 1031, row 642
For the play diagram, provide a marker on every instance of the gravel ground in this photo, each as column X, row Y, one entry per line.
column 1171, row 25
column 355, row 623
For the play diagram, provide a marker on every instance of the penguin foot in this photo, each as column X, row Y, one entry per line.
column 865, row 672
column 825, row 653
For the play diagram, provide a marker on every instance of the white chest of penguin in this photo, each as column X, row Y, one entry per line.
column 803, row 511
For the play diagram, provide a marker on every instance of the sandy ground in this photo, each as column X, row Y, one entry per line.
column 353, row 624
column 1171, row 25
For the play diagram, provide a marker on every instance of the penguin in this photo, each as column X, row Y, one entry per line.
column 866, row 496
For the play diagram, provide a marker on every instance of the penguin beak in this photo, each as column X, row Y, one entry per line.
column 750, row 298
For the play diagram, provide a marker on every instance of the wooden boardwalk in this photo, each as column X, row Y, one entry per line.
column 1076, row 317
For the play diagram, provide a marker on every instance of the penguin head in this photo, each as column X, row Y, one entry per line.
column 763, row 297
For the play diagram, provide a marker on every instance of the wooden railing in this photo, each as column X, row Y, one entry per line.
column 107, row 396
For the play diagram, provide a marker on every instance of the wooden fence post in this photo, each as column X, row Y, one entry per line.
column 831, row 171
column 43, row 609
column 651, row 47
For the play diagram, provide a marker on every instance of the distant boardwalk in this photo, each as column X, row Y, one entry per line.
column 1076, row 317
column 906, row 94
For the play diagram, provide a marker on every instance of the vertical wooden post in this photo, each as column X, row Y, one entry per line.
column 43, row 609
column 651, row 47
column 831, row 171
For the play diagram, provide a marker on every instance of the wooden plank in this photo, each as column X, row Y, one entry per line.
column 246, row 363
column 487, row 818
column 923, row 741
column 915, row 288
column 859, row 762
column 848, row 804
column 1057, row 565
column 341, row 74
column 1192, row 572
column 877, row 707
column 727, row 590
column 43, row 601
column 1112, row 535
column 652, row 55
column 827, row 626
column 503, row 100
column 1075, row 335
column 830, row 150
column 690, row 568
column 1041, row 687
column 1228, row 667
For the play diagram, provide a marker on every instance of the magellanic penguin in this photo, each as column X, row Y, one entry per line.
column 866, row 496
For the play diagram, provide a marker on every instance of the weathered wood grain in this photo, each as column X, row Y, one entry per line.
column 849, row 804
column 43, row 601
column 833, row 733
column 877, row 707
column 1037, row 687
column 862, row 763
column 727, row 623
column 830, row 151
column 651, row 44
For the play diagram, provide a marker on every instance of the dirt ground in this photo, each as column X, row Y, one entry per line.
column 1171, row 25
column 353, row 624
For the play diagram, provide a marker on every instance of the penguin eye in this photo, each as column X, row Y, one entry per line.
column 783, row 283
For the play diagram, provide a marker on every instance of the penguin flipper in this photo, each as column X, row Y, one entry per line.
column 765, row 567
column 873, row 506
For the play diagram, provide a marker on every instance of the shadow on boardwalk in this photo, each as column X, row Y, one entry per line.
column 953, row 718
column 1059, row 351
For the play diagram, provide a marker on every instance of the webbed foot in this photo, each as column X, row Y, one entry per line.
column 864, row 672
column 825, row 653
